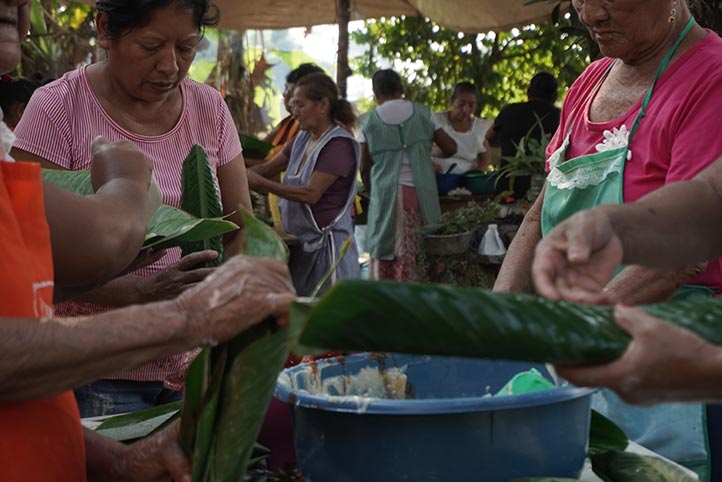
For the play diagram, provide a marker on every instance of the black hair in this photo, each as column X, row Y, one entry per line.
column 302, row 71
column 387, row 83
column 543, row 86
column 126, row 15
column 15, row 90
column 318, row 86
column 464, row 88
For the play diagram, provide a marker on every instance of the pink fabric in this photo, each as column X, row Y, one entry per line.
column 676, row 139
column 408, row 221
column 61, row 121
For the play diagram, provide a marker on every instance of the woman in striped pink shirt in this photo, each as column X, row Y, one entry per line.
column 140, row 92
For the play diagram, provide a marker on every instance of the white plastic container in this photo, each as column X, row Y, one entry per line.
column 491, row 246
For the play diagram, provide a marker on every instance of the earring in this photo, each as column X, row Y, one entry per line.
column 673, row 12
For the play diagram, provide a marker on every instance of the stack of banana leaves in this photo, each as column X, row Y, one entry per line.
column 229, row 387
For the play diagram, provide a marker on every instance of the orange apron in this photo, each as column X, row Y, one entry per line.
column 40, row 440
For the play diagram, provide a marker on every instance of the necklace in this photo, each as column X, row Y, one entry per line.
column 311, row 145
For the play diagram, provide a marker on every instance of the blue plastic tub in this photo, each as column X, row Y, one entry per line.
column 447, row 182
column 452, row 429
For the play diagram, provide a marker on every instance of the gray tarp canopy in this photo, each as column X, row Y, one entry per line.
column 459, row 15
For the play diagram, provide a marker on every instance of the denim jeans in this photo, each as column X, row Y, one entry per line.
column 109, row 397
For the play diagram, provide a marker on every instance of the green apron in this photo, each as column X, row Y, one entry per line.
column 675, row 430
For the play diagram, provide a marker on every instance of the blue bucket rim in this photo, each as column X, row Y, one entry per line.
column 378, row 406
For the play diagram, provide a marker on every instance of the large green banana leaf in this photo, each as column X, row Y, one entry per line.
column 201, row 199
column 167, row 227
column 443, row 320
column 228, row 388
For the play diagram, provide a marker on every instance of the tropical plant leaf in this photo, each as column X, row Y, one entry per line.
column 171, row 226
column 75, row 181
column 379, row 316
column 225, row 406
column 167, row 227
column 201, row 199
column 261, row 240
column 616, row 466
column 139, row 424
column 254, row 148
column 249, row 382
column 605, row 435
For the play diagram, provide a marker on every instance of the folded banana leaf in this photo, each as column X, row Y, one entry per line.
column 443, row 320
column 229, row 387
column 200, row 198
column 167, row 227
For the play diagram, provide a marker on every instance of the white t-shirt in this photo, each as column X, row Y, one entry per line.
column 394, row 112
column 469, row 144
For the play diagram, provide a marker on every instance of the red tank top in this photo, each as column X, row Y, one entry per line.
column 40, row 440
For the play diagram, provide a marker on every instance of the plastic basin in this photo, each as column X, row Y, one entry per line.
column 448, row 244
column 451, row 430
column 447, row 182
column 479, row 182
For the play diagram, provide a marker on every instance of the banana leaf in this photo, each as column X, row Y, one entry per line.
column 201, row 198
column 254, row 148
column 139, row 424
column 616, row 466
column 605, row 435
column 167, row 227
column 228, row 388
column 443, row 320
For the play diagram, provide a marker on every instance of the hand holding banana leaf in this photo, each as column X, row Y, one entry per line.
column 663, row 363
column 576, row 260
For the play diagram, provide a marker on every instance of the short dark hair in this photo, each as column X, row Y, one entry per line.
column 301, row 71
column 464, row 88
column 543, row 86
column 387, row 82
column 126, row 15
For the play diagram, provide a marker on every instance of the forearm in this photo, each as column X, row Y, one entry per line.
column 515, row 273
column 483, row 161
column 304, row 194
column 682, row 222
column 638, row 285
column 45, row 357
column 122, row 291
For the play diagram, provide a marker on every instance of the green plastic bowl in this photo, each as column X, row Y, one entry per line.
column 479, row 182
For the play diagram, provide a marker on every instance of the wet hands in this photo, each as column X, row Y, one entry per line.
column 237, row 295
column 577, row 259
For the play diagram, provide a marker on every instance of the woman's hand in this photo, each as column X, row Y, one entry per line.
column 663, row 363
column 237, row 295
column 176, row 278
column 157, row 458
column 576, row 260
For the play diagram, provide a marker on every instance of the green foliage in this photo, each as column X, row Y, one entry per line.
column 167, row 227
column 201, row 198
column 467, row 218
column 60, row 38
column 432, row 59
column 615, row 466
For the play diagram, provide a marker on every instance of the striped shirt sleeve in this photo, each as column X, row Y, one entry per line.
column 44, row 129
